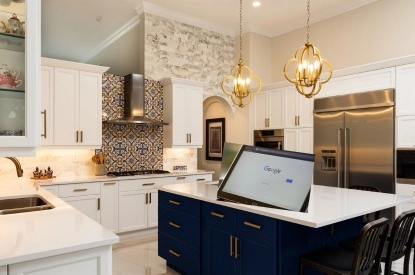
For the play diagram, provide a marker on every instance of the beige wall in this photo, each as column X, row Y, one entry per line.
column 376, row 32
column 118, row 55
column 236, row 129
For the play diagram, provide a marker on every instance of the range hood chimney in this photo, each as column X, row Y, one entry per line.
column 134, row 108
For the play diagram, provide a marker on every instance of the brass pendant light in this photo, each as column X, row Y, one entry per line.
column 309, row 68
column 240, row 77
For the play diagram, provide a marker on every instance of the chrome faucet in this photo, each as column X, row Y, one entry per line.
column 18, row 166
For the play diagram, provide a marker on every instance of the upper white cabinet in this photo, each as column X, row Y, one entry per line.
column 299, row 140
column 268, row 109
column 405, row 106
column 71, row 103
column 405, row 96
column 183, row 111
column 298, row 109
column 20, row 83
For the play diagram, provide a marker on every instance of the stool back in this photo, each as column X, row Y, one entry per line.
column 401, row 238
column 369, row 247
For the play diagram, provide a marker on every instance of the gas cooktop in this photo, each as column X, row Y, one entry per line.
column 136, row 173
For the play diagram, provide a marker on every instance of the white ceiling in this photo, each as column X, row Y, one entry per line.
column 70, row 32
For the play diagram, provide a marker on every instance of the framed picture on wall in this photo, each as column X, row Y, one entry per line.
column 215, row 137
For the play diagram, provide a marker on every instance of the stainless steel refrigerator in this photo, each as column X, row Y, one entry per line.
column 354, row 140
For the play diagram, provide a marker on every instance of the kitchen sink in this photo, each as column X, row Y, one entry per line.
column 23, row 204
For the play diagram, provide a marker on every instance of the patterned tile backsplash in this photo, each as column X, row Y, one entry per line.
column 131, row 146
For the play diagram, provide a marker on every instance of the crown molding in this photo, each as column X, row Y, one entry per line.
column 135, row 21
column 346, row 6
column 183, row 17
column 45, row 61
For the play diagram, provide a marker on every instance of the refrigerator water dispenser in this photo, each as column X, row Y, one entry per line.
column 328, row 163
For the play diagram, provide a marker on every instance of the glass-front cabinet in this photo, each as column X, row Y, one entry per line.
column 19, row 77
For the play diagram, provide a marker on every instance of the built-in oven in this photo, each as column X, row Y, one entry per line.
column 405, row 166
column 269, row 138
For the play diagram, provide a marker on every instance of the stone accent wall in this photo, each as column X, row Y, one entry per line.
column 175, row 49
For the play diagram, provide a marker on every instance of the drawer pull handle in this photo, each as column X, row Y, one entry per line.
column 174, row 253
column 200, row 180
column 80, row 190
column 231, row 245
column 109, row 183
column 181, row 178
column 146, row 184
column 175, row 225
column 174, row 202
column 252, row 225
column 217, row 215
column 44, row 123
column 236, row 248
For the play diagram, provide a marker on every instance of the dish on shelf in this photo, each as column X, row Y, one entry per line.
column 12, row 133
column 8, row 77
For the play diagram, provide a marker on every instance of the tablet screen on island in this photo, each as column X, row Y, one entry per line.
column 271, row 178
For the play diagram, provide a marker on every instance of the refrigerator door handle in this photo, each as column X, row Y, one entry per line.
column 339, row 141
column 346, row 157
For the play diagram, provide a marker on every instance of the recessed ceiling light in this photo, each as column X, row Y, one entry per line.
column 256, row 4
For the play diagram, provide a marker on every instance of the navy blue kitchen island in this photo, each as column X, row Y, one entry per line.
column 200, row 235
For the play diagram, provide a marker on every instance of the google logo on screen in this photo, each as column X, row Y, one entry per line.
column 273, row 170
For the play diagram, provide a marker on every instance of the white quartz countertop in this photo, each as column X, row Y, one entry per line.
column 39, row 234
column 82, row 179
column 327, row 205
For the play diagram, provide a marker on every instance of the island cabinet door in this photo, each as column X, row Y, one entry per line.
column 218, row 250
column 255, row 255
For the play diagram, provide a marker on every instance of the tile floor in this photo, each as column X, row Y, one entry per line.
column 138, row 256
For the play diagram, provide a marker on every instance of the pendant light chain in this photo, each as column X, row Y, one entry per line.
column 240, row 31
column 308, row 22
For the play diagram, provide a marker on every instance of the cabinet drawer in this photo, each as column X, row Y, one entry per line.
column 257, row 225
column 219, row 214
column 177, row 253
column 179, row 203
column 79, row 189
column 142, row 184
column 180, row 226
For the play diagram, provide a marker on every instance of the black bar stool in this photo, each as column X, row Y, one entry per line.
column 399, row 242
column 363, row 261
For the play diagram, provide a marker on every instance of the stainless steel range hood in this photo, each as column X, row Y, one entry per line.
column 134, row 108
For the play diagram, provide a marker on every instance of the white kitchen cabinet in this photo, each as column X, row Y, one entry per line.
column 268, row 109
column 85, row 197
column 183, row 111
column 47, row 94
column 3, row 270
column 405, row 97
column 405, row 190
column 109, row 205
column 54, row 189
column 405, row 132
column 87, row 262
column 298, row 109
column 138, row 202
column 185, row 178
column 199, row 178
column 19, row 106
column 72, row 98
column 299, row 140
